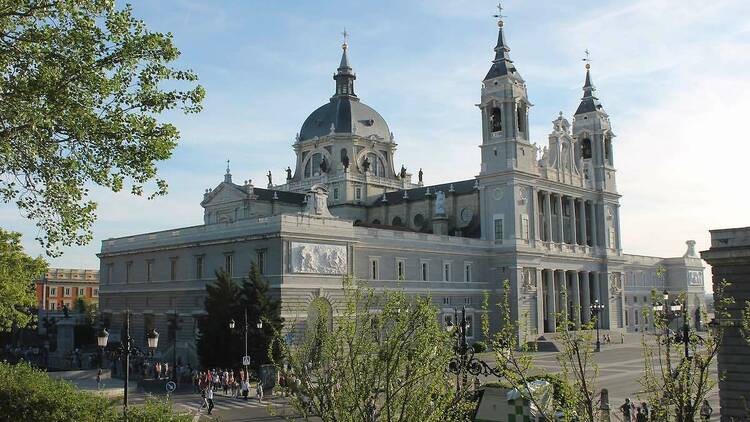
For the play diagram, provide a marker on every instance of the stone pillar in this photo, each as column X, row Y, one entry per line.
column 594, row 228
column 439, row 225
column 548, row 216
column 534, row 216
column 617, row 227
column 560, row 225
column 576, row 292
column 586, row 305
column 562, row 281
column 597, row 292
column 551, row 302
column 608, row 304
column 539, row 301
column 573, row 237
column 584, row 237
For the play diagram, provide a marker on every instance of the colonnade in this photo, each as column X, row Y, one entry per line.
column 570, row 294
column 566, row 219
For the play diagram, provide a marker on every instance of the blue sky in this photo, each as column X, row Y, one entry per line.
column 671, row 74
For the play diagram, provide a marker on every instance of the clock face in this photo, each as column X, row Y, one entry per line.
column 467, row 214
column 497, row 194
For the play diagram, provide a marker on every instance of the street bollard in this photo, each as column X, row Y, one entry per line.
column 604, row 406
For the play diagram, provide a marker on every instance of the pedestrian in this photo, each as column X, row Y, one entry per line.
column 706, row 411
column 210, row 398
column 626, row 410
column 99, row 379
column 259, row 391
column 204, row 401
column 641, row 415
column 245, row 389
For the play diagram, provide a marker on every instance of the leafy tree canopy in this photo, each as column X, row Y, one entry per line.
column 81, row 87
column 17, row 274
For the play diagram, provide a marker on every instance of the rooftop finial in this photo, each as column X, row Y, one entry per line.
column 587, row 59
column 227, row 166
column 228, row 175
column 499, row 15
column 346, row 39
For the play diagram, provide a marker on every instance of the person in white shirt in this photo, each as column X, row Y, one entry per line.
column 210, row 398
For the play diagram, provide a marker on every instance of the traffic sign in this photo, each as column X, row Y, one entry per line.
column 246, row 360
column 171, row 386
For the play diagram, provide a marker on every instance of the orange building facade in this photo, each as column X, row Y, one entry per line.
column 64, row 286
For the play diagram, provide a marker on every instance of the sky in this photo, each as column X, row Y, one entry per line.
column 672, row 75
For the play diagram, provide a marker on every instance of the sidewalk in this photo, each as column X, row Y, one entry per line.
column 86, row 380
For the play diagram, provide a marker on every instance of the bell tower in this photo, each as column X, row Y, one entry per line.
column 505, row 108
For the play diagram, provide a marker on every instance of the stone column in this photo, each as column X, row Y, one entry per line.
column 551, row 299
column 608, row 304
column 539, row 301
column 548, row 216
column 586, row 305
column 617, row 227
column 576, row 292
column 534, row 216
column 584, row 237
column 560, row 225
column 594, row 228
column 595, row 283
column 563, row 283
column 573, row 237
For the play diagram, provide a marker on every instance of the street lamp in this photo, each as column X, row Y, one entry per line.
column 596, row 309
column 258, row 325
column 463, row 362
column 125, row 350
column 101, row 340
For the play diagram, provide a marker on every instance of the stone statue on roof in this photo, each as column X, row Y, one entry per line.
column 270, row 179
column 288, row 173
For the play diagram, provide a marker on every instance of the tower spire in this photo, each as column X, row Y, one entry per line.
column 345, row 76
column 589, row 101
column 502, row 65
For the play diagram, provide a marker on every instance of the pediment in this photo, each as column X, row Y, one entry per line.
column 224, row 193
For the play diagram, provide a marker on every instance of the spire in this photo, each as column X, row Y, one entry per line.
column 345, row 76
column 589, row 101
column 502, row 65
column 228, row 175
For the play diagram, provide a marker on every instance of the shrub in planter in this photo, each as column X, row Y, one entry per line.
column 479, row 347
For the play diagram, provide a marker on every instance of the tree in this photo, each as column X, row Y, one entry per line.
column 17, row 288
column 384, row 356
column 222, row 303
column 81, row 87
column 218, row 345
column 261, row 306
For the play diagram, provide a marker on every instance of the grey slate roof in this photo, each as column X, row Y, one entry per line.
column 589, row 102
column 345, row 113
column 396, row 197
column 502, row 65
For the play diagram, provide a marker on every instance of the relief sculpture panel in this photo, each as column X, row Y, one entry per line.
column 317, row 258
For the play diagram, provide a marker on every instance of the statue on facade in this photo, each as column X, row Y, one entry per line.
column 270, row 178
column 440, row 203
column 420, row 174
column 366, row 165
column 323, row 165
column 288, row 173
column 403, row 172
column 345, row 161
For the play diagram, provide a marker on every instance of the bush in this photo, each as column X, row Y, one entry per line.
column 561, row 393
column 479, row 347
column 29, row 394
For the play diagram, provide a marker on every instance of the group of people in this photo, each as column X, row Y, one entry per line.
column 631, row 412
column 234, row 384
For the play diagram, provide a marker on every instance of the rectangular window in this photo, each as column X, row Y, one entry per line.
column 149, row 269
column 128, row 271
column 626, row 318
column 335, row 193
column 425, row 273
column 446, row 301
column 401, row 269
column 199, row 267
column 525, row 227
column 374, row 270
column 53, row 291
column 446, row 271
column 467, row 301
column 81, row 291
column 358, row 194
column 498, row 230
column 52, row 306
column 635, row 299
column 261, row 260
column 95, row 292
column 228, row 264
column 173, row 269
column 66, row 292
column 110, row 271
column 635, row 316
column 467, row 272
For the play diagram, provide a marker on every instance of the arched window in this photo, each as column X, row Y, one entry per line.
column 496, row 119
column 376, row 165
column 344, row 156
column 586, row 148
column 357, row 222
column 308, row 166
column 520, row 119
column 418, row 221
column 608, row 151
column 376, row 221
column 397, row 221
column 316, row 159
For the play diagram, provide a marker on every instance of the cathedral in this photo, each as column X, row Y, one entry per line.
column 545, row 218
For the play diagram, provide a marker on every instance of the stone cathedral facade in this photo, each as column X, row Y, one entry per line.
column 546, row 219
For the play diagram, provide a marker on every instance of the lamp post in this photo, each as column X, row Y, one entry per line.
column 258, row 325
column 668, row 312
column 463, row 363
column 173, row 335
column 596, row 309
column 125, row 350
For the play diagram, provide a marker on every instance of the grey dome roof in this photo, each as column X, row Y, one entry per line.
column 345, row 113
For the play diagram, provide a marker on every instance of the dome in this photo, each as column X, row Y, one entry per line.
column 347, row 115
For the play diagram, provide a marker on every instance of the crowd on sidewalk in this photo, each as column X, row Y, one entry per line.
column 633, row 412
column 232, row 383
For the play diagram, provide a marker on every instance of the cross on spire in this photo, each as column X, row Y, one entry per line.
column 227, row 166
column 346, row 38
column 499, row 11
column 587, row 59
